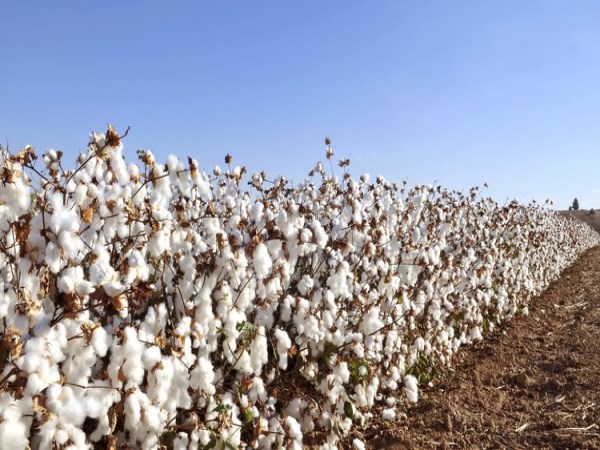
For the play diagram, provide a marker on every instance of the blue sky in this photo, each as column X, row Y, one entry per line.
column 462, row 92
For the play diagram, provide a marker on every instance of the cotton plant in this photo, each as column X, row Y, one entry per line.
column 166, row 306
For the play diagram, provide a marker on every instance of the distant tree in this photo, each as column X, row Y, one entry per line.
column 575, row 205
column 591, row 212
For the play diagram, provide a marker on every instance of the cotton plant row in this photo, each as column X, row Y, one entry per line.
column 157, row 305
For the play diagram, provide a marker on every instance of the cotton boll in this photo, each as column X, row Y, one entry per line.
column 285, row 309
column 358, row 444
column 84, row 287
column 259, row 352
column 61, row 437
column 15, row 194
column 152, row 417
column 294, row 431
column 70, row 243
column 151, row 356
column 101, row 341
column 62, row 217
column 119, row 167
column 80, row 194
column 411, row 388
column 264, row 315
column 181, row 442
column 338, row 282
column 93, row 407
column 132, row 411
column 114, row 288
column 262, row 261
column 13, row 430
column 69, row 278
column 305, row 284
column 388, row 414
column 101, row 271
column 320, row 235
column 73, row 412
column 342, row 373
column 371, row 322
column 283, row 345
column 53, row 258
column 243, row 363
column 35, row 384
column 133, row 350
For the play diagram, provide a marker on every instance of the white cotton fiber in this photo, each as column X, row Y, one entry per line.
column 101, row 340
column 388, row 414
column 202, row 376
column 293, row 427
column 13, row 435
column 283, row 345
column 358, row 444
column 259, row 352
column 411, row 388
column 262, row 261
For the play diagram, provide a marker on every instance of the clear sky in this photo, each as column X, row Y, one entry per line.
column 462, row 92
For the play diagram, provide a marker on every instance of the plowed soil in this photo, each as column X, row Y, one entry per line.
column 533, row 384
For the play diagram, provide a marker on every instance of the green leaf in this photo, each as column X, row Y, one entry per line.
column 248, row 416
column 349, row 409
column 211, row 444
column 222, row 409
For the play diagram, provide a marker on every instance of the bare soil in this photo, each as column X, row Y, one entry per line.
column 533, row 384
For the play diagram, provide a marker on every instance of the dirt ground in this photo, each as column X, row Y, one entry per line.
column 536, row 386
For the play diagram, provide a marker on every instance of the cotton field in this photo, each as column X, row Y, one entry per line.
column 163, row 305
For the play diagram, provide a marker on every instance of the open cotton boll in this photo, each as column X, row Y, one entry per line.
column 13, row 435
column 62, row 218
column 84, row 287
column 15, row 195
column 283, row 345
column 388, row 414
column 114, row 288
column 259, row 351
column 70, row 243
column 151, row 356
column 133, row 410
column 358, row 444
column 133, row 350
column 202, row 376
column 262, row 261
column 101, row 341
column 119, row 167
column 294, row 432
column 53, row 258
column 101, row 271
column 371, row 322
column 73, row 412
column 14, row 429
column 411, row 388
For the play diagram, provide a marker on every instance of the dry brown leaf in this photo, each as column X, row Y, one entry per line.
column 87, row 328
column 112, row 137
column 87, row 214
column 12, row 340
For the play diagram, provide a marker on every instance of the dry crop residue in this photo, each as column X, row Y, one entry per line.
column 535, row 386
